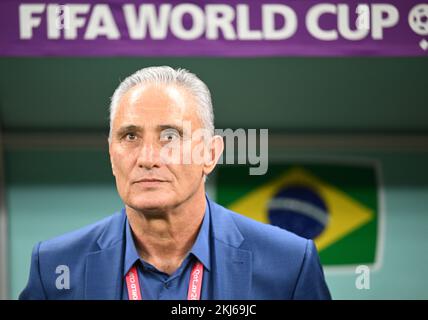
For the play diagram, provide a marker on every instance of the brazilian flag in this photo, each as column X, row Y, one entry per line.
column 336, row 205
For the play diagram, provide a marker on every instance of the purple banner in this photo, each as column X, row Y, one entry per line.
column 213, row 28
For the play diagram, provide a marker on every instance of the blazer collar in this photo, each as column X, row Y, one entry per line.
column 232, row 273
column 104, row 267
column 224, row 228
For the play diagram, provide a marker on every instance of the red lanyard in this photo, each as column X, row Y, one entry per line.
column 193, row 293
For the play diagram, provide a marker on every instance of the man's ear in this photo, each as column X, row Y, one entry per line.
column 215, row 149
column 111, row 159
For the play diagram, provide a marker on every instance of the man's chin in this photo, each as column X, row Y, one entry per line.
column 152, row 204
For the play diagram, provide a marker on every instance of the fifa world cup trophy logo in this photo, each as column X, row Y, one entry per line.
column 418, row 21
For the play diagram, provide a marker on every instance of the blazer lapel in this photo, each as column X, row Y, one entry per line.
column 232, row 265
column 104, row 268
column 232, row 277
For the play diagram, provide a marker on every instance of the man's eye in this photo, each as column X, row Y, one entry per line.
column 130, row 136
column 169, row 135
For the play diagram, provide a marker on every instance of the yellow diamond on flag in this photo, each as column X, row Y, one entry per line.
column 345, row 213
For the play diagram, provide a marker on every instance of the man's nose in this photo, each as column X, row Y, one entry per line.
column 149, row 155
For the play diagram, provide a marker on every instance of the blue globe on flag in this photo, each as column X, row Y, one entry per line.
column 299, row 209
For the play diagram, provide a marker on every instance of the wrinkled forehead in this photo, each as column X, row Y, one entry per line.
column 155, row 101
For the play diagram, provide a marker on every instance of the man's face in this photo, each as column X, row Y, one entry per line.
column 150, row 118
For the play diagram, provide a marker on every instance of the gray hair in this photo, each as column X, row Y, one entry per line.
column 167, row 75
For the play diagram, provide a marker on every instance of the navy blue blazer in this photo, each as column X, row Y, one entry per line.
column 249, row 260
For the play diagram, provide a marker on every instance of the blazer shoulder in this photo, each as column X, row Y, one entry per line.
column 273, row 236
column 84, row 239
column 69, row 250
column 295, row 271
column 257, row 233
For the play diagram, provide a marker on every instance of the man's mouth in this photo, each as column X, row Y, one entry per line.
column 150, row 182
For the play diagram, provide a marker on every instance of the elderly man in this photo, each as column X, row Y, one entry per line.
column 171, row 241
